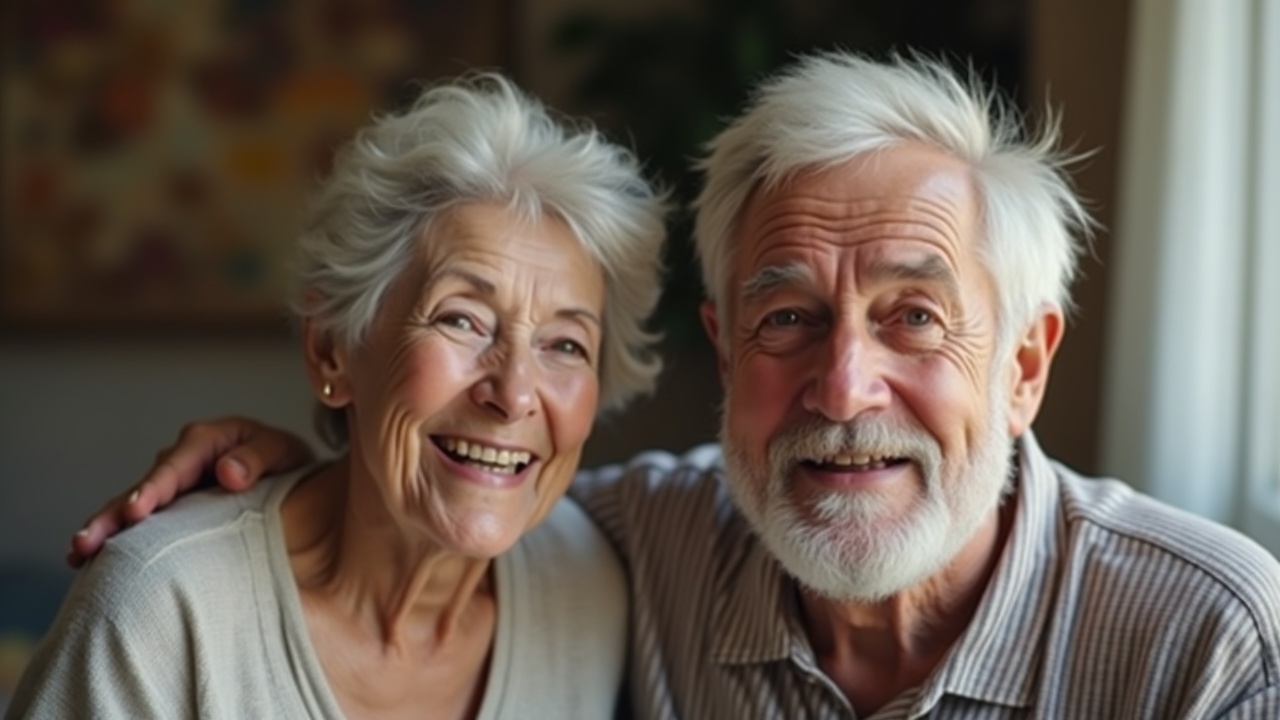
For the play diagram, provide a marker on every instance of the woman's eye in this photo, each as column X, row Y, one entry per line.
column 459, row 322
column 569, row 347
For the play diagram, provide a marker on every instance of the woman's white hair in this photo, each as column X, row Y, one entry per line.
column 479, row 139
column 829, row 108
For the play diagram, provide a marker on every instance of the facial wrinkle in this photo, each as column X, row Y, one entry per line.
column 944, row 214
column 938, row 215
column 966, row 345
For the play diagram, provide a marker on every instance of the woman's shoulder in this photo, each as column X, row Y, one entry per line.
column 205, row 546
column 569, row 574
column 191, row 574
column 568, row 538
column 562, row 603
column 201, row 525
column 566, row 561
column 178, row 608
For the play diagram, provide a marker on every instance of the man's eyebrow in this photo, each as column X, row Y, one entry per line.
column 929, row 269
column 771, row 277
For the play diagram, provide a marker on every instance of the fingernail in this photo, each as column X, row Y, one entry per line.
column 84, row 532
column 237, row 467
column 133, row 496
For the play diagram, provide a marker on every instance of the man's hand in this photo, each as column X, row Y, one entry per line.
column 238, row 450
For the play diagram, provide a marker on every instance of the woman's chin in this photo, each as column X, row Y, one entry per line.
column 482, row 534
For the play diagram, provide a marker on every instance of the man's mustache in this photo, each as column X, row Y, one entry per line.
column 882, row 437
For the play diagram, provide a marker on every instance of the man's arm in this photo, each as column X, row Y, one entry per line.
column 237, row 450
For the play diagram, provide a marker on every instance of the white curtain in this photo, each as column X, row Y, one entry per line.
column 1192, row 405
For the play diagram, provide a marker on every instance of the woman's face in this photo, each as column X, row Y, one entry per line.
column 472, row 397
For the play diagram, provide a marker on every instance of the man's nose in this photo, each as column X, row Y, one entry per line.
column 847, row 378
column 509, row 389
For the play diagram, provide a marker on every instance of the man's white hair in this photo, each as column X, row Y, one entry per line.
column 479, row 139
column 829, row 108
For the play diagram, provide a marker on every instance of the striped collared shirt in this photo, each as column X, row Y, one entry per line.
column 1104, row 604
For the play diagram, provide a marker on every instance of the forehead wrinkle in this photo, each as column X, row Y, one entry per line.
column 945, row 217
column 913, row 217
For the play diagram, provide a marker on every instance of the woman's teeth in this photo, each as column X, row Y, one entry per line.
column 494, row 458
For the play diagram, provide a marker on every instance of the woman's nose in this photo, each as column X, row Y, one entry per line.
column 509, row 389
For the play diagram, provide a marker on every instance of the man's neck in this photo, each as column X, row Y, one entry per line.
column 876, row 651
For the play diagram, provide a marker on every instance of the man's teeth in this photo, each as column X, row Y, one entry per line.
column 505, row 459
column 861, row 462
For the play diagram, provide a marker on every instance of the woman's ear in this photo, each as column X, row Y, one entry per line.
column 1032, row 358
column 327, row 364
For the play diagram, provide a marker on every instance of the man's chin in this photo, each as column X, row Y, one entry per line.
column 840, row 563
column 863, row 587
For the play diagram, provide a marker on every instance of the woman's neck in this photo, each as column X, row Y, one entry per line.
column 347, row 551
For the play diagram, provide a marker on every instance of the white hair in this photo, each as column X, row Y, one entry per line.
column 479, row 139
column 829, row 108
column 841, row 545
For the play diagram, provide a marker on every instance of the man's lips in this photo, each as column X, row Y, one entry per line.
column 855, row 463
column 852, row 472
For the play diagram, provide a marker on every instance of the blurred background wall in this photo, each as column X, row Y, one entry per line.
column 155, row 156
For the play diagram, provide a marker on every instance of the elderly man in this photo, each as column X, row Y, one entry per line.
column 878, row 533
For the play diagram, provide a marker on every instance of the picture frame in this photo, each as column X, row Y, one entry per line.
column 158, row 157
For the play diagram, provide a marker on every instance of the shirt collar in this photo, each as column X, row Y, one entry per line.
column 758, row 621
column 998, row 657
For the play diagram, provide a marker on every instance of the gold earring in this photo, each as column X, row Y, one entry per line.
column 327, row 390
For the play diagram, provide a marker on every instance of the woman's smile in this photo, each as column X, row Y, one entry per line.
column 487, row 464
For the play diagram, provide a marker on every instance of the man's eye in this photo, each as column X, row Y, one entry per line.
column 917, row 317
column 783, row 318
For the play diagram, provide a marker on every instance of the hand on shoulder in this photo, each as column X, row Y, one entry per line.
column 236, row 451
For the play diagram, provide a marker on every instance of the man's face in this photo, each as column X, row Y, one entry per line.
column 866, row 423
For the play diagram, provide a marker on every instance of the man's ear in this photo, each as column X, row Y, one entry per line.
column 711, row 323
column 326, row 362
column 1032, row 358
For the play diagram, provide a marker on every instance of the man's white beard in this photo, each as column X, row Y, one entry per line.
column 842, row 545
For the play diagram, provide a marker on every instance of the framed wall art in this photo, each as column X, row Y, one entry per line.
column 157, row 155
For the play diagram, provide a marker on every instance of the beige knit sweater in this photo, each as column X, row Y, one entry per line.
column 194, row 613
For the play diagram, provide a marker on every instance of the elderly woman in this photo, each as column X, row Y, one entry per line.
column 472, row 285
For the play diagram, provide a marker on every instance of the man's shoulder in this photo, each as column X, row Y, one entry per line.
column 1193, row 606
column 661, row 503
column 660, row 466
column 1119, row 526
column 653, row 472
